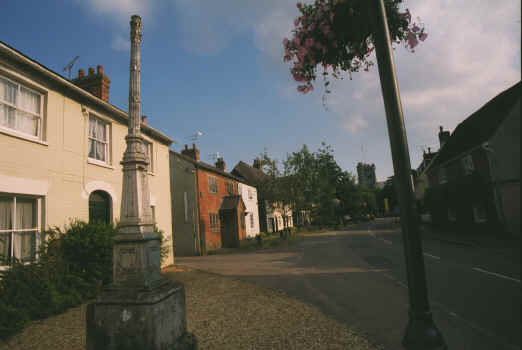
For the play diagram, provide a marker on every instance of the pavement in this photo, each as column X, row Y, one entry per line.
column 358, row 278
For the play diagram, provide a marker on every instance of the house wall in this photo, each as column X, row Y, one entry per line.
column 251, row 207
column 211, row 202
column 57, row 169
column 184, row 206
column 276, row 213
column 504, row 158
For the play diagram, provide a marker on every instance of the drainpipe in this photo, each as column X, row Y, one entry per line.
column 196, row 217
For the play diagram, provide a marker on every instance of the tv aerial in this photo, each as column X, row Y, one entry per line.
column 194, row 137
column 69, row 66
column 214, row 156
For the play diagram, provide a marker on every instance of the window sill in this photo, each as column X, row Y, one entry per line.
column 22, row 136
column 98, row 163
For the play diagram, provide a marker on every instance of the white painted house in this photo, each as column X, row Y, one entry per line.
column 249, row 195
column 61, row 143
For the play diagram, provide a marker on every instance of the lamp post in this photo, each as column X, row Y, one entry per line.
column 421, row 332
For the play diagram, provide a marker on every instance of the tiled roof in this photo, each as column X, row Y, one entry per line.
column 251, row 175
column 202, row 165
column 480, row 126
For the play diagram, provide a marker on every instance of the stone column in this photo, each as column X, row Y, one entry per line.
column 140, row 309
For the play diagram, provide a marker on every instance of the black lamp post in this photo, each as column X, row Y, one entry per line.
column 421, row 332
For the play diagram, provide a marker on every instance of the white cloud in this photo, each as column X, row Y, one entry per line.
column 119, row 43
column 122, row 9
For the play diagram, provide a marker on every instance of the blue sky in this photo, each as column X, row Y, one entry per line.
column 216, row 66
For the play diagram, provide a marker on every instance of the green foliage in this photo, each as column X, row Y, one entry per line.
column 72, row 266
column 313, row 182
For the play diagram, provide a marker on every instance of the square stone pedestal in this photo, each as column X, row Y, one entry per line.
column 129, row 318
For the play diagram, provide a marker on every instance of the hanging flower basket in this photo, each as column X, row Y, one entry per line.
column 338, row 35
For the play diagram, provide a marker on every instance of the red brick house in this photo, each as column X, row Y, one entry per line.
column 220, row 209
column 474, row 180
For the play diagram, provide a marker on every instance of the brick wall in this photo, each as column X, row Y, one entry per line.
column 210, row 203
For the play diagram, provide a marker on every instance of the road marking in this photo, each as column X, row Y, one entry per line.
column 432, row 256
column 385, row 241
column 496, row 274
column 475, row 326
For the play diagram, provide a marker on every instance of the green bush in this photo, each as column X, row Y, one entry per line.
column 72, row 266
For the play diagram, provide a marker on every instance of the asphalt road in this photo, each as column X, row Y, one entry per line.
column 358, row 277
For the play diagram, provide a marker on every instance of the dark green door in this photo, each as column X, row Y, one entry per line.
column 99, row 207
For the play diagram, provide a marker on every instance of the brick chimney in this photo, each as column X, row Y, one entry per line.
column 443, row 136
column 95, row 83
column 220, row 164
column 191, row 152
column 257, row 163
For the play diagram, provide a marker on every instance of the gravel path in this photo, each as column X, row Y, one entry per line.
column 223, row 313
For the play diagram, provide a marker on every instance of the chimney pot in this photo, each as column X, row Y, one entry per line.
column 186, row 147
column 193, row 146
column 99, row 69
column 144, row 119
column 80, row 73
column 91, row 71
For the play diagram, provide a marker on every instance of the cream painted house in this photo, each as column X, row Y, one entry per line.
column 249, row 195
column 60, row 152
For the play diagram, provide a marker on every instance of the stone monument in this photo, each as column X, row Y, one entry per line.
column 140, row 309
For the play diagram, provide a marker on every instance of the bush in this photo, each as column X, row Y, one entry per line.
column 72, row 267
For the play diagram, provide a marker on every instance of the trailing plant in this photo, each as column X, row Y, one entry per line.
column 338, row 34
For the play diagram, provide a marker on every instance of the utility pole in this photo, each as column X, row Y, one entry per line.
column 421, row 332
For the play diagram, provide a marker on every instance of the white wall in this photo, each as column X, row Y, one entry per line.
column 249, row 196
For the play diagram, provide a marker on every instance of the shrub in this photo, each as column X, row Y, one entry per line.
column 71, row 268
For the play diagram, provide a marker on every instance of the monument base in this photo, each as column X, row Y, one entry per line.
column 129, row 318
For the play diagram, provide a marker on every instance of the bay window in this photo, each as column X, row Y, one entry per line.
column 19, row 228
column 20, row 109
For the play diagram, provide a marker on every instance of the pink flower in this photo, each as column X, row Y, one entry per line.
column 423, row 36
column 296, row 21
column 412, row 40
column 287, row 58
column 285, row 42
column 415, row 28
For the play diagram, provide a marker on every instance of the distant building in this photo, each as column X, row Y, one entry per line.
column 366, row 174
column 207, row 210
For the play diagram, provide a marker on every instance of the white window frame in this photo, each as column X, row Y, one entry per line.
column 37, row 230
column 211, row 181
column 476, row 214
column 18, row 133
column 107, row 143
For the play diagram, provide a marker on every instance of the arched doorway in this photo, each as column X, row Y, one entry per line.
column 100, row 207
